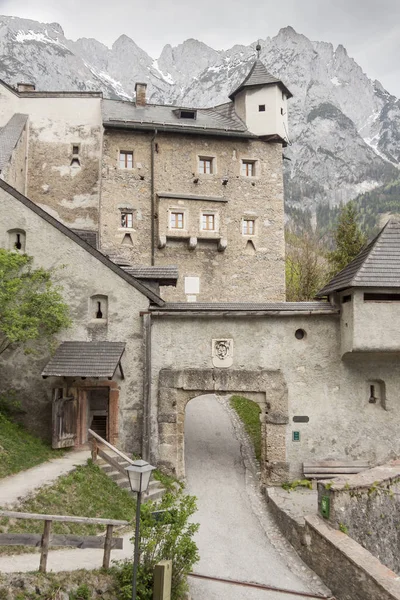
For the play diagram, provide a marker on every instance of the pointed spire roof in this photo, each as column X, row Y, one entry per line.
column 378, row 265
column 259, row 77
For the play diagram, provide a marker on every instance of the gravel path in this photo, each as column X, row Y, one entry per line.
column 238, row 538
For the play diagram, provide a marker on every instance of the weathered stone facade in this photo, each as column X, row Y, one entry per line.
column 177, row 185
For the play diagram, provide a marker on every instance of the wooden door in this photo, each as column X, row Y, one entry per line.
column 64, row 422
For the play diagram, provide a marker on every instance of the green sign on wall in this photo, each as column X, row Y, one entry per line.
column 296, row 436
column 325, row 506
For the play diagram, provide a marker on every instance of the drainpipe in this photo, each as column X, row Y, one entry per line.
column 153, row 143
column 146, row 433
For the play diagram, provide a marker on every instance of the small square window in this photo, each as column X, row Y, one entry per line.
column 261, row 108
column 127, row 220
column 75, row 149
column 248, row 226
column 208, row 222
column 205, row 165
column 125, row 159
column 248, row 168
column 177, row 220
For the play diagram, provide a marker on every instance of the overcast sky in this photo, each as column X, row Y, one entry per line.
column 369, row 29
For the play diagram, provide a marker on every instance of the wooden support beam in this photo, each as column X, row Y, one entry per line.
column 45, row 547
column 75, row 541
column 63, row 518
column 107, row 547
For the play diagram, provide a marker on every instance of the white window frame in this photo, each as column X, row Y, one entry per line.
column 203, row 158
column 177, row 210
column 245, row 220
column 245, row 162
column 126, row 153
column 128, row 213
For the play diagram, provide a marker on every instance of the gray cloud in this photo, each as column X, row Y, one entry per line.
column 369, row 29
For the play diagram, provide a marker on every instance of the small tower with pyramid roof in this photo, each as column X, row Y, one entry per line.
column 261, row 101
column 368, row 294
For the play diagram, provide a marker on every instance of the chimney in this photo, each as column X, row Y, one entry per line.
column 26, row 87
column 140, row 89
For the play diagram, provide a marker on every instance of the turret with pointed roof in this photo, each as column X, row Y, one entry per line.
column 377, row 266
column 259, row 76
column 261, row 102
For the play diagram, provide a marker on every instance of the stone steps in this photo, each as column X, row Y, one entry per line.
column 154, row 492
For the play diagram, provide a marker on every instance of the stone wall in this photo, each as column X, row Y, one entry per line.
column 15, row 173
column 367, row 507
column 333, row 394
column 350, row 571
column 81, row 276
column 67, row 190
column 251, row 267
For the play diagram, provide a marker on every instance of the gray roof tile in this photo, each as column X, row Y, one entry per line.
column 306, row 307
column 9, row 136
column 259, row 76
column 378, row 265
column 153, row 273
column 90, row 237
column 85, row 359
column 219, row 119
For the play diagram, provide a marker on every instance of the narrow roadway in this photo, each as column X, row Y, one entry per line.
column 232, row 539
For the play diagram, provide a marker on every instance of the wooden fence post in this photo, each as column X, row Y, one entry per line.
column 45, row 547
column 94, row 450
column 107, row 547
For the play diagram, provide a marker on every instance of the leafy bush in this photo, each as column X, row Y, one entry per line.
column 168, row 537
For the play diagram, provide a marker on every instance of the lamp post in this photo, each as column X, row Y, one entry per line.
column 139, row 473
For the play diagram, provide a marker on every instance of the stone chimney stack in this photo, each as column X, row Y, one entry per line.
column 140, row 89
column 26, row 87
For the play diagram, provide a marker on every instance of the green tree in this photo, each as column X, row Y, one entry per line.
column 169, row 537
column 305, row 267
column 31, row 306
column 348, row 237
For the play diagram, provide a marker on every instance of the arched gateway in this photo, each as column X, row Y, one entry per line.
column 267, row 388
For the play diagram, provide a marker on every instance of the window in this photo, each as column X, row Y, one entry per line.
column 346, row 299
column 99, row 308
column 188, row 114
column 381, row 297
column 127, row 219
column 17, row 240
column 205, row 165
column 125, row 159
column 248, row 226
column 261, row 108
column 75, row 149
column 208, row 222
column 248, row 168
column 176, row 220
column 281, row 111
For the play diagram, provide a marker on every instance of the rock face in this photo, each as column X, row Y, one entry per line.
column 344, row 128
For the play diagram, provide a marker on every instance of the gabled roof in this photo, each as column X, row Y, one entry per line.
column 259, row 76
column 220, row 120
column 9, row 137
column 254, row 307
column 378, row 265
column 85, row 359
column 81, row 242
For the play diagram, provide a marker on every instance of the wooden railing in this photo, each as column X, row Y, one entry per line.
column 98, row 451
column 47, row 539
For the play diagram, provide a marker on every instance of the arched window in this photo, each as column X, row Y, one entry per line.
column 17, row 239
column 99, row 308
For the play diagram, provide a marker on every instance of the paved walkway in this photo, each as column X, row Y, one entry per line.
column 238, row 538
column 17, row 486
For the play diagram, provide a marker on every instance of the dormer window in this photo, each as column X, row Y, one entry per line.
column 187, row 114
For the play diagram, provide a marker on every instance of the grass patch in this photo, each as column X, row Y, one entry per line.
column 74, row 585
column 87, row 492
column 249, row 413
column 20, row 450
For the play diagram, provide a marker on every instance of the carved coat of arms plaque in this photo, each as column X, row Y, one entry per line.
column 222, row 353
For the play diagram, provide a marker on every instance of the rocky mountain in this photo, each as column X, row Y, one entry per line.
column 344, row 128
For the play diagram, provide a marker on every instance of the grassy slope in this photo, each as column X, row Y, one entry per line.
column 249, row 413
column 20, row 450
column 87, row 491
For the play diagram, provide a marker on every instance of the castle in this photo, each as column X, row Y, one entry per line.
column 168, row 223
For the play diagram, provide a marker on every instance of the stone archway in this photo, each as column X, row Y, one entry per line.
column 268, row 388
